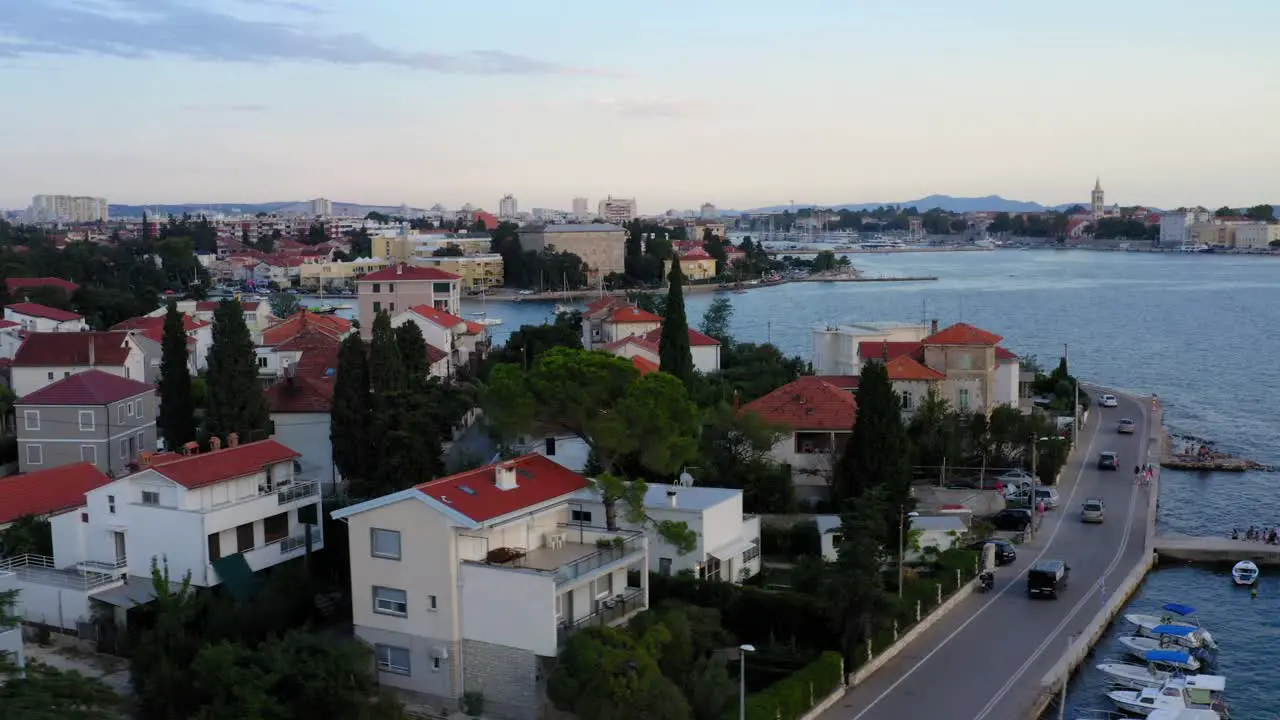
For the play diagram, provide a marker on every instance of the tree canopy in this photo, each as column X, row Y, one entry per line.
column 236, row 403
column 177, row 422
column 675, row 355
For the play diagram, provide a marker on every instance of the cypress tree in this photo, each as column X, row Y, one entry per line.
column 235, row 399
column 177, row 410
column 413, row 350
column 349, row 414
column 386, row 371
column 675, row 355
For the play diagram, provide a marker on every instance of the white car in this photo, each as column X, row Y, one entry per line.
column 1109, row 401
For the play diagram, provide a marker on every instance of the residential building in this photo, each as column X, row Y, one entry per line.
column 835, row 346
column 728, row 542
column 300, row 406
column 474, row 581
column 704, row 349
column 11, row 336
column 507, row 207
column 1257, row 236
column 47, row 492
column 695, row 264
column 337, row 274
column 284, row 343
column 616, row 210
column 215, row 517
column 402, row 286
column 34, row 317
column 935, row 531
column 817, row 416
column 148, row 331
column 580, row 210
column 68, row 209
column 406, row 246
column 1214, row 233
column 477, row 273
column 460, row 344
column 45, row 358
column 320, row 207
column 601, row 246
column 91, row 416
column 1175, row 227
column 964, row 364
column 610, row 319
column 257, row 315
column 708, row 212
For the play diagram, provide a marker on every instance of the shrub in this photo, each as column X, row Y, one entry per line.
column 790, row 698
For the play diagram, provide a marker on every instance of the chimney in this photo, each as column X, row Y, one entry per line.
column 884, row 352
column 91, row 349
column 233, row 440
column 671, row 498
column 144, row 458
column 504, row 476
column 215, row 443
column 191, row 448
column 933, row 327
column 399, row 268
column 550, row 446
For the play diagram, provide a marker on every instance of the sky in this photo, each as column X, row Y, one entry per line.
column 741, row 103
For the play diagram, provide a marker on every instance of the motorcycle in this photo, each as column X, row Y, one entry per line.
column 986, row 580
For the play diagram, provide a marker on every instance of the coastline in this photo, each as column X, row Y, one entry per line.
column 575, row 296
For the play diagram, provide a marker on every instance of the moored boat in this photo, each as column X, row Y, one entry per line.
column 1136, row 677
column 1244, row 573
column 1152, row 650
column 1175, row 616
column 1175, row 694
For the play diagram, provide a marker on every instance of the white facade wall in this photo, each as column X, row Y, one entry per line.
column 11, row 638
column 27, row 380
column 308, row 434
column 1006, row 389
column 706, row 358
column 1175, row 228
column 10, row 341
column 32, row 323
column 488, row 616
column 434, row 334
column 835, row 347
column 52, row 605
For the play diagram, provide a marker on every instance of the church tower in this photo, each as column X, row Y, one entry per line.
column 1095, row 200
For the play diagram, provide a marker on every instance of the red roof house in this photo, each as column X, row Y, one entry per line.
column 807, row 403
column 198, row 470
column 48, row 492
column 404, row 272
column 493, row 491
column 68, row 348
column 91, row 387
column 43, row 311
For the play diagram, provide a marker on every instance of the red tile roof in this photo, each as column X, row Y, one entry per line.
column 904, row 367
column 9, row 324
column 48, row 491
column 153, row 327
column 43, row 311
column 310, row 338
column 644, row 364
column 474, row 328
column 1005, row 354
column 633, row 315
column 963, row 334
column 217, row 466
column 302, row 320
column 844, row 382
column 435, row 354
column 877, row 349
column 475, row 494
column 405, row 272
column 91, row 387
column 696, row 339
column 16, row 284
column 302, row 394
column 644, row 342
column 807, row 403
column 439, row 317
column 695, row 254
column 72, row 348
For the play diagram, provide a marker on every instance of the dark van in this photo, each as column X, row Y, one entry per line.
column 1047, row 578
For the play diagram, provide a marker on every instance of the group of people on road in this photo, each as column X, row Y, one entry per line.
column 1144, row 474
column 1270, row 536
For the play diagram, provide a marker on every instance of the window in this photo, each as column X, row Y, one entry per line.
column 35, row 454
column 124, row 449
column 604, row 586
column 391, row 307
column 66, row 374
column 906, row 401
column 442, row 288
column 580, row 516
column 377, row 288
column 390, row 601
column 141, row 437
column 431, row 603
column 86, row 419
column 150, row 497
column 391, row 287
column 215, row 546
column 244, row 537
column 133, row 446
column 139, row 410
column 262, row 361
column 392, row 659
column 664, row 567
column 89, row 454
column 120, row 412
column 129, row 409
column 710, row 570
column 31, row 419
column 111, row 504
column 377, row 306
column 50, row 377
column 275, row 527
column 309, row 515
column 964, row 399
column 435, row 663
column 384, row 543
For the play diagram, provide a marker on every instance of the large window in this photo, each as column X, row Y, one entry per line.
column 384, row 543
column 390, row 601
column 86, row 419
column 442, row 288
column 392, row 659
column 580, row 516
column 244, row 537
column 963, row 400
column 275, row 527
column 31, row 419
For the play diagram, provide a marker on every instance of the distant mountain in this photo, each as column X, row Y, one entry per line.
column 291, row 207
column 992, row 203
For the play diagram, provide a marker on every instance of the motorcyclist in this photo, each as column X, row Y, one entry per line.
column 987, row 579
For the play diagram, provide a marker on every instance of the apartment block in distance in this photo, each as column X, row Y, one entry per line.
column 601, row 246
column 474, row 581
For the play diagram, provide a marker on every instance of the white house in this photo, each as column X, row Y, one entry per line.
column 728, row 546
column 835, row 346
column 257, row 315
column 300, row 407
column 45, row 358
column 148, row 330
column 11, row 334
column 463, row 343
column 704, row 349
column 936, row 531
column 218, row 516
column 35, row 317
column 473, row 581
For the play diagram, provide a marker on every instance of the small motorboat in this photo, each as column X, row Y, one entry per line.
column 1174, row 694
column 489, row 321
column 1158, row 714
column 1244, row 573
column 1175, row 615
column 563, row 309
column 1153, row 651
column 1136, row 677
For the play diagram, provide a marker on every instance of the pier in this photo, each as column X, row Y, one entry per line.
column 1187, row 548
column 848, row 278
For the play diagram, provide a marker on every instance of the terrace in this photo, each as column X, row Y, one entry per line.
column 572, row 553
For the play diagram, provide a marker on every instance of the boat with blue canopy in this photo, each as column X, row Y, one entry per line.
column 1152, row 651
column 1175, row 623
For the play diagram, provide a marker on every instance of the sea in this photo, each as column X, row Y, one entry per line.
column 1201, row 331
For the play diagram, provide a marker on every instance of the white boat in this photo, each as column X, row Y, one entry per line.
column 1244, row 573
column 1160, row 714
column 1174, row 694
column 489, row 321
column 1136, row 677
column 1153, row 650
column 1174, row 624
column 564, row 309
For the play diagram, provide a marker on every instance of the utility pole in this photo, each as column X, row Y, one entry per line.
column 1031, row 498
column 1075, row 405
column 902, row 544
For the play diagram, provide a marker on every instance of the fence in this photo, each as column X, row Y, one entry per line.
column 794, row 697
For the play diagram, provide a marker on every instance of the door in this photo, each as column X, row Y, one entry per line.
column 120, row 556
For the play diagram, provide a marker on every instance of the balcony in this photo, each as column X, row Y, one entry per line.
column 86, row 577
column 297, row 491
column 567, row 561
column 610, row 612
column 268, row 500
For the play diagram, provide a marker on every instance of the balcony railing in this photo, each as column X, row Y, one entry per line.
column 295, row 542
column 611, row 610
column 40, row 569
column 631, row 542
column 297, row 491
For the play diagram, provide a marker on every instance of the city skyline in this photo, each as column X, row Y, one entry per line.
column 217, row 101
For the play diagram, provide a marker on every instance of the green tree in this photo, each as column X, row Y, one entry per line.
column 735, row 452
column 315, row 234
column 349, row 418
column 605, row 674
column 1224, row 211
column 449, row 250
column 509, row 406
column 526, row 345
column 284, row 305
column 161, row 681
column 267, row 242
column 177, row 410
column 999, row 224
column 1264, row 213
column 715, row 321
column 673, row 347
column 856, row 588
column 412, row 347
column 236, row 402
column 386, row 369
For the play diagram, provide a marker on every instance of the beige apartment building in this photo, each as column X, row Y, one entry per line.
column 601, row 246
column 1256, row 236
column 421, row 245
column 400, row 287
column 478, row 272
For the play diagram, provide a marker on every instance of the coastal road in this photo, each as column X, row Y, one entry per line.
column 984, row 660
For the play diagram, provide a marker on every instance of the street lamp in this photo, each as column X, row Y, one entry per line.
column 742, row 679
column 902, row 541
column 1035, row 481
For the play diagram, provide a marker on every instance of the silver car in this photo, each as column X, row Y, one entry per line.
column 1093, row 510
column 1125, row 426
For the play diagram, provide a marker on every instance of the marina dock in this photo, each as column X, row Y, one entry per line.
column 1186, row 548
column 842, row 278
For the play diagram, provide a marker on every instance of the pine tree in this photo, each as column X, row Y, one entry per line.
column 349, row 415
column 177, row 411
column 236, row 402
column 413, row 350
column 675, row 355
column 386, row 371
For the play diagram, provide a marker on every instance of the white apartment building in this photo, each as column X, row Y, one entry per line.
column 320, row 207
column 580, row 207
column 218, row 517
column 1175, row 226
column 708, row 212
column 616, row 210
column 34, row 317
column 472, row 582
column 835, row 346
column 507, row 207
column 68, row 209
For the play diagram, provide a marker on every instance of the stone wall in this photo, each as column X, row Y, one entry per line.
column 506, row 676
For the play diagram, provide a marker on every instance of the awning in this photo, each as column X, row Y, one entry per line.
column 234, row 572
column 135, row 591
column 731, row 549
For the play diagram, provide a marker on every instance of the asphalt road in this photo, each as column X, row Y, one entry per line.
column 986, row 658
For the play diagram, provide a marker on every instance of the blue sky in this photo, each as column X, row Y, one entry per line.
column 740, row 103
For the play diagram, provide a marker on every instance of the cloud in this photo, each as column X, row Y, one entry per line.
column 291, row 5
column 648, row 107
column 143, row 29
column 246, row 108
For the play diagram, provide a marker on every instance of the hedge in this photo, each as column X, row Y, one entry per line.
column 791, row 698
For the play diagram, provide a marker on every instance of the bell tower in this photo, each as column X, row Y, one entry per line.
column 1096, row 203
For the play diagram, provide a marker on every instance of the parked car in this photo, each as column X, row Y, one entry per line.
column 1016, row 519
column 1093, row 510
column 1109, row 461
column 1109, row 401
column 1046, row 495
column 1125, row 426
column 1005, row 552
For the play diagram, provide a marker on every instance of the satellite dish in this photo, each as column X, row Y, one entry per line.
column 686, row 480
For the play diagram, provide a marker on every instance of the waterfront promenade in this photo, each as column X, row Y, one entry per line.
column 986, row 659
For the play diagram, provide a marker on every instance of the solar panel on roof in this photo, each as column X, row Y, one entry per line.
column 466, row 489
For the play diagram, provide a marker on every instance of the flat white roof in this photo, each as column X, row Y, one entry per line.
column 687, row 498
